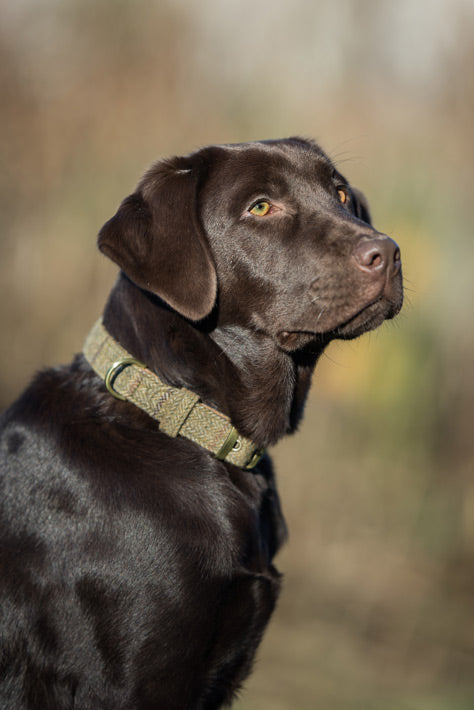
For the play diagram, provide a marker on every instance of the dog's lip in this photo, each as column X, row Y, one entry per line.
column 388, row 295
column 364, row 319
column 292, row 340
column 369, row 317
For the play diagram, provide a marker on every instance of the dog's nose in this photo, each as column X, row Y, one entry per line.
column 377, row 255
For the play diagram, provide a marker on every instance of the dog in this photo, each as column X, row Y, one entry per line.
column 140, row 514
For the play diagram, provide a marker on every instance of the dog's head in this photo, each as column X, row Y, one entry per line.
column 268, row 233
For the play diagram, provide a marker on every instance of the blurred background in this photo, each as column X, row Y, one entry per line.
column 378, row 484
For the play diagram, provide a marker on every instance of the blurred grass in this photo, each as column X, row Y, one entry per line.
column 378, row 485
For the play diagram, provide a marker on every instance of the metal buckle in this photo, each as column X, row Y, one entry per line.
column 115, row 369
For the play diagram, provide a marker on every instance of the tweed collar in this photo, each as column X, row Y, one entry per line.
column 178, row 410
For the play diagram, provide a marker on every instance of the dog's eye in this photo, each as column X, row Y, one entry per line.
column 261, row 208
column 342, row 194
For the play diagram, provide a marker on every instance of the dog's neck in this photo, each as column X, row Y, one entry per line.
column 242, row 373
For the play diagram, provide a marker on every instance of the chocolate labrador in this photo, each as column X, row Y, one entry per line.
column 139, row 514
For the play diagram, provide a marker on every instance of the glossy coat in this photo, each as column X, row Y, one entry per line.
column 135, row 569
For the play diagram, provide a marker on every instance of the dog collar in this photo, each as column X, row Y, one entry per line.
column 178, row 410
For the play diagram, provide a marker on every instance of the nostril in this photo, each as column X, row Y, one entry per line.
column 374, row 255
column 369, row 255
column 375, row 260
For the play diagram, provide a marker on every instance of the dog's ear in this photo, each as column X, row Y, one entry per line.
column 361, row 206
column 156, row 238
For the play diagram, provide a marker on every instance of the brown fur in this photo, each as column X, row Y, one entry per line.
column 135, row 569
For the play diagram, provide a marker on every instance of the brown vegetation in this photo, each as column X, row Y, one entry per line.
column 377, row 607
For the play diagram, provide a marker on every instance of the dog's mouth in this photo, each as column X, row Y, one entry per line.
column 366, row 319
column 371, row 316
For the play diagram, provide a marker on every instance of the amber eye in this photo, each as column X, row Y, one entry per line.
column 260, row 209
column 342, row 194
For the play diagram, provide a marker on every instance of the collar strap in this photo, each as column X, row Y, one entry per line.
column 178, row 410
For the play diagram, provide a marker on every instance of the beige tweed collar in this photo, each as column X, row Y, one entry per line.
column 178, row 410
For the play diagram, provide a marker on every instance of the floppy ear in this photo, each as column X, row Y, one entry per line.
column 361, row 205
column 156, row 239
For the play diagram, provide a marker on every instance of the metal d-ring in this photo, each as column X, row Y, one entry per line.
column 228, row 445
column 115, row 369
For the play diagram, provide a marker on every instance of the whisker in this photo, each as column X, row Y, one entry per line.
column 323, row 310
